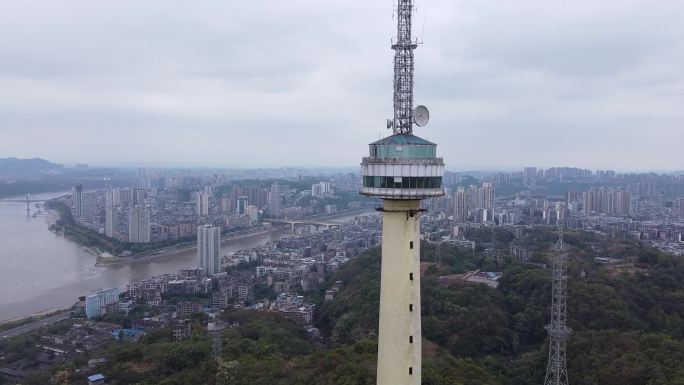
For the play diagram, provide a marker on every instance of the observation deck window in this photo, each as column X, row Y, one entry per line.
column 403, row 182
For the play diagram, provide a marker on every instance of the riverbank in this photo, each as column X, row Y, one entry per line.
column 175, row 250
column 61, row 270
column 107, row 251
column 26, row 319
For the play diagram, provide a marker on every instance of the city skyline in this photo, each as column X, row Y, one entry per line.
column 213, row 88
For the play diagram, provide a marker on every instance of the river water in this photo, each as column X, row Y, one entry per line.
column 40, row 270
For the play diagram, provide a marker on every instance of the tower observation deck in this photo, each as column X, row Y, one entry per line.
column 401, row 169
column 402, row 166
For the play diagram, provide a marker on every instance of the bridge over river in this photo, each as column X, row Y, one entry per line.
column 327, row 221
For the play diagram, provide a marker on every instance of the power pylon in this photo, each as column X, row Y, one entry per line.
column 215, row 329
column 556, row 368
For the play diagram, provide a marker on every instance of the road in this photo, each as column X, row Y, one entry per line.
column 53, row 319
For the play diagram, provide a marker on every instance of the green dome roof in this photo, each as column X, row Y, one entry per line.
column 403, row 139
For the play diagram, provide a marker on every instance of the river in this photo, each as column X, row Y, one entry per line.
column 40, row 270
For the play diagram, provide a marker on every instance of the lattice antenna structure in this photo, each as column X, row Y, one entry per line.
column 216, row 343
column 403, row 70
column 215, row 329
column 556, row 368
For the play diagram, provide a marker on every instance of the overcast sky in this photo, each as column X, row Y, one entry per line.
column 509, row 83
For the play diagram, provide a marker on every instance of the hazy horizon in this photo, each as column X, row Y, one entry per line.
column 191, row 165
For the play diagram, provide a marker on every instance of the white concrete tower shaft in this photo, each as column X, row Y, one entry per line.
column 399, row 340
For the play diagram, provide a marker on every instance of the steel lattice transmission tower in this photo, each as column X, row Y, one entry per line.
column 556, row 368
column 215, row 329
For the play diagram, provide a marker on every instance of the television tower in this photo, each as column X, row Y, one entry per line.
column 401, row 169
column 556, row 368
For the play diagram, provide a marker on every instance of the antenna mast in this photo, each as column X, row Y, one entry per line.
column 403, row 70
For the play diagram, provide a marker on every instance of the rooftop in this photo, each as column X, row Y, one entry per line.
column 403, row 139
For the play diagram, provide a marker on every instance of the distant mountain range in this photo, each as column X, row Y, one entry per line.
column 15, row 168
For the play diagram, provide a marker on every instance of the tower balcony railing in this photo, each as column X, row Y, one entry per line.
column 376, row 160
column 402, row 193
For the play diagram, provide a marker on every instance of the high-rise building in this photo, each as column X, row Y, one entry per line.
column 529, row 175
column 485, row 197
column 138, row 225
column 107, row 184
column 96, row 303
column 202, row 205
column 88, row 204
column 139, row 197
column 209, row 248
column 122, row 197
column 109, row 198
column 78, row 201
column 320, row 188
column 460, row 205
column 471, row 197
column 112, row 221
column 256, row 196
column 116, row 197
column 607, row 201
column 275, row 201
column 253, row 213
column 401, row 170
column 226, row 204
column 680, row 207
column 241, row 204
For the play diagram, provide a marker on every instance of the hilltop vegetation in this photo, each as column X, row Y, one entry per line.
column 627, row 325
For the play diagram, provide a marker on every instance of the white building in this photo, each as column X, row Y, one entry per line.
column 96, row 303
column 320, row 188
column 241, row 204
column 209, row 248
column 253, row 213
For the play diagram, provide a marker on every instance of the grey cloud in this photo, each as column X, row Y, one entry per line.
column 309, row 82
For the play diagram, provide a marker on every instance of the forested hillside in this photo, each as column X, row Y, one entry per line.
column 627, row 325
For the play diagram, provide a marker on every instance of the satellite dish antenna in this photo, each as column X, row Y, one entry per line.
column 421, row 116
column 389, row 123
